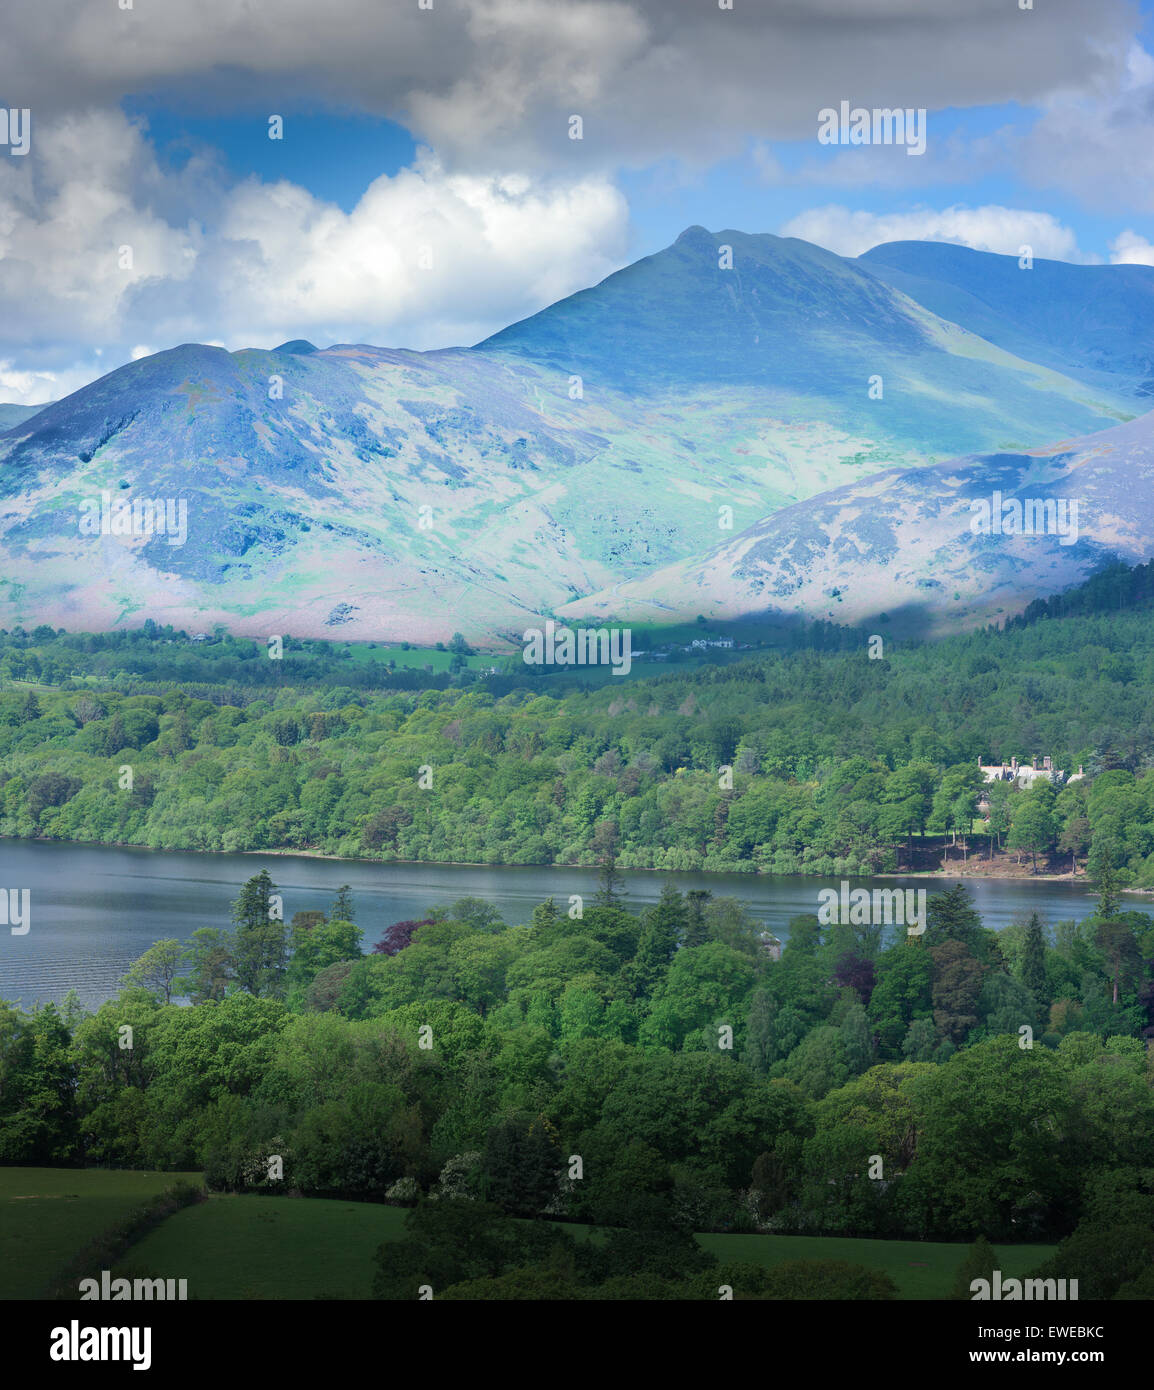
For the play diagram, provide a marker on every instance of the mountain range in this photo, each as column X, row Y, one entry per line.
column 740, row 424
column 912, row 548
column 16, row 414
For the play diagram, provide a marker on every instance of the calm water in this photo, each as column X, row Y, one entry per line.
column 95, row 909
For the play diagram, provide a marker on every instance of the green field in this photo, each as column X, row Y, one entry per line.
column 275, row 1247
column 270, row 1247
column 284, row 1248
column 48, row 1214
column 919, row 1269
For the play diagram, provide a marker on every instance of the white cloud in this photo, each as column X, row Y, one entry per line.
column 38, row 388
column 64, row 217
column 990, row 228
column 1128, row 248
column 426, row 258
column 1095, row 141
column 269, row 262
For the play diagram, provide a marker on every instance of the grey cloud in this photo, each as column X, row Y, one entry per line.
column 491, row 83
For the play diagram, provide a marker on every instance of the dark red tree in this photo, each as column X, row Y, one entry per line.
column 858, row 973
column 398, row 936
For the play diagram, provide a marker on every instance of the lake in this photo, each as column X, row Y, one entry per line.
column 96, row 908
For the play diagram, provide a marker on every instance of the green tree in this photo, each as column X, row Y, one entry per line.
column 157, row 970
column 1033, row 973
column 546, row 917
column 999, row 819
column 902, row 995
column 356, row 1144
column 921, row 1041
column 209, row 958
column 1116, row 942
column 1105, row 868
column 521, row 1166
column 704, row 987
column 950, row 916
column 662, row 928
column 856, row 1041
column 804, row 934
column 1075, row 839
column 315, row 948
column 758, row 1052
column 254, row 905
column 696, row 930
column 788, row 1029
column 38, row 1120
column 957, row 983
column 980, row 1262
column 816, row 1066
column 455, row 1241
column 992, row 1154
column 1004, row 1004
column 1033, row 827
column 1103, row 1257
column 476, row 914
column 260, row 950
column 955, row 801
column 912, row 786
column 610, row 884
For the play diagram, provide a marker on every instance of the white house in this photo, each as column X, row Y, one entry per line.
column 1022, row 774
column 770, row 945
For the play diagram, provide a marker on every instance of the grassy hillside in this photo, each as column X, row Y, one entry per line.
column 47, row 1214
column 919, row 1269
column 269, row 1247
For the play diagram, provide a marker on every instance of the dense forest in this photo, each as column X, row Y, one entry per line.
column 653, row 1074
column 564, row 1101
column 824, row 762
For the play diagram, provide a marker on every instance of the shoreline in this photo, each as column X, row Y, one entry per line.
column 941, row 874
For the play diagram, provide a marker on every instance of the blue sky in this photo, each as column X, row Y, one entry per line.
column 664, row 198
column 369, row 146
column 426, row 191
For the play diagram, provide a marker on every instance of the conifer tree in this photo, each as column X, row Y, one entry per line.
column 952, row 917
column 261, row 949
column 1034, row 961
column 696, row 930
column 611, row 886
column 759, row 1050
column 545, row 915
column 663, row 927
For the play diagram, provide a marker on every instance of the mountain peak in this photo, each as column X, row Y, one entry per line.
column 727, row 307
column 694, row 236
